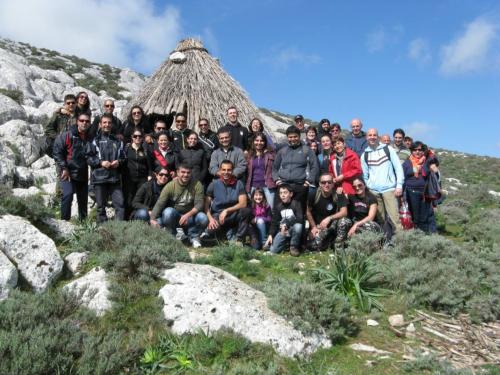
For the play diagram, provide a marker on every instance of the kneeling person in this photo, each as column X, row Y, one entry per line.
column 327, row 216
column 181, row 207
column 148, row 194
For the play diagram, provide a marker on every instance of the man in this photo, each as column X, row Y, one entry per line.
column 403, row 152
column 227, row 151
column 160, row 126
column 207, row 137
column 105, row 155
column 385, row 139
column 327, row 216
column 296, row 165
column 148, row 194
column 117, row 126
column 384, row 176
column 226, row 205
column 299, row 124
column 356, row 140
column 180, row 132
column 181, row 207
column 239, row 133
column 69, row 154
column 60, row 122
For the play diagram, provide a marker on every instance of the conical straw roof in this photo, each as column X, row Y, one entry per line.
column 193, row 82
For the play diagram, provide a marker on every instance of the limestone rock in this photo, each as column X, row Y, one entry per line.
column 93, row 290
column 367, row 348
column 75, row 261
column 131, row 81
column 372, row 323
column 205, row 297
column 10, row 110
column 35, row 254
column 49, row 188
column 14, row 73
column 23, row 177
column 8, row 276
column 63, row 229
column 396, row 320
column 47, row 90
column 32, row 190
column 7, row 165
column 26, row 138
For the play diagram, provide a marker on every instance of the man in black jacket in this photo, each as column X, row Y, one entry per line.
column 147, row 195
column 180, row 132
column 116, row 128
column 239, row 133
column 105, row 156
column 69, row 154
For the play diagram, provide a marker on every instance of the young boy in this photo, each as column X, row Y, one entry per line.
column 287, row 223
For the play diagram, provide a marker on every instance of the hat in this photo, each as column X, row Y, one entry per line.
column 299, row 117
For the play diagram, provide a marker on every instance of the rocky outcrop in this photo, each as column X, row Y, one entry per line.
column 27, row 139
column 7, row 165
column 62, row 229
column 34, row 254
column 10, row 110
column 75, row 261
column 207, row 298
column 93, row 290
column 8, row 276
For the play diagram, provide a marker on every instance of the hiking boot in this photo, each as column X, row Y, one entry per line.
column 181, row 236
column 294, row 251
column 195, row 242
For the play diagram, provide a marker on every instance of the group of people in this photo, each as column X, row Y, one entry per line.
column 237, row 182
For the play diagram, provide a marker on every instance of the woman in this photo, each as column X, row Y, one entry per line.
column 256, row 126
column 417, row 169
column 139, row 168
column 260, row 168
column 326, row 154
column 135, row 120
column 362, row 209
column 344, row 167
column 194, row 155
column 164, row 155
column 82, row 104
column 335, row 132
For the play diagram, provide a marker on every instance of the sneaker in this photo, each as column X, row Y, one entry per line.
column 195, row 242
column 294, row 251
column 204, row 235
column 181, row 236
column 266, row 247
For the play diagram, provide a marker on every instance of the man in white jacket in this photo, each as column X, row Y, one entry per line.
column 384, row 177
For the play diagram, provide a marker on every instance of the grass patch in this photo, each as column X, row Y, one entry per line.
column 16, row 95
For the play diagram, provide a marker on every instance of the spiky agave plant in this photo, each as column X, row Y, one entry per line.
column 354, row 275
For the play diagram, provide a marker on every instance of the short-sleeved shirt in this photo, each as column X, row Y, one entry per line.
column 224, row 196
column 359, row 207
column 323, row 207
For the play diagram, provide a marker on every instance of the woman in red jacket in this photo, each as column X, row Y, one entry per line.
column 344, row 167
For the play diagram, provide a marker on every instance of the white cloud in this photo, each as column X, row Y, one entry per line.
column 130, row 33
column 210, row 41
column 471, row 51
column 283, row 58
column 378, row 39
column 419, row 51
column 421, row 131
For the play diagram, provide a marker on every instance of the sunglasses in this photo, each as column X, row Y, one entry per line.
column 326, row 182
column 136, row 113
column 358, row 186
column 418, row 149
column 83, row 97
column 85, row 121
column 109, row 105
column 161, row 128
column 163, row 174
column 69, row 103
column 203, row 124
column 137, row 136
column 180, row 120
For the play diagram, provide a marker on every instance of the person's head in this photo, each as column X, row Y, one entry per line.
column 83, row 99
column 326, row 183
column 204, row 125
column 356, row 126
column 299, row 122
column 313, row 146
column 136, row 114
column 180, row 121
column 385, row 139
column 106, row 123
column 226, row 170
column 339, row 145
column 372, row 137
column 418, row 149
column 109, row 106
column 163, row 140
column 232, row 115
column 259, row 143
column 192, row 139
column 137, row 136
column 258, row 197
column 285, row 193
column 256, row 126
column 325, row 125
column 408, row 141
column 293, row 135
column 184, row 173
column 398, row 135
column 224, row 135
column 311, row 133
column 326, row 142
column 161, row 175
column 83, row 122
column 359, row 186
column 160, row 126
column 69, row 103
column 335, row 130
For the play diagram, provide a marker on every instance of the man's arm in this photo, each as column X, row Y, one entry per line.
column 313, row 167
column 214, row 163
column 240, row 165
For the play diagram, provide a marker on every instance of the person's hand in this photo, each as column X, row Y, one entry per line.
column 184, row 219
column 64, row 111
column 65, row 175
column 340, row 190
column 105, row 164
column 114, row 164
column 398, row 192
column 149, row 178
column 279, row 182
column 213, row 224
column 325, row 222
column 306, row 183
column 172, row 174
column 434, row 168
column 222, row 216
column 314, row 231
column 269, row 241
column 148, row 139
column 154, row 223
column 254, row 221
column 352, row 230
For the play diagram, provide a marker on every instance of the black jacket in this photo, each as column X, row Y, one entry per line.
column 209, row 142
column 69, row 153
column 129, row 127
column 239, row 136
column 139, row 163
column 288, row 214
column 116, row 128
column 197, row 159
column 179, row 137
column 105, row 148
column 147, row 195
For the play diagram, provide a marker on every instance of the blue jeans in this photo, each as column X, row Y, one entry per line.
column 143, row 214
column 269, row 193
column 195, row 225
column 259, row 232
column 295, row 236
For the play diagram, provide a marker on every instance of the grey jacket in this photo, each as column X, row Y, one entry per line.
column 295, row 165
column 233, row 154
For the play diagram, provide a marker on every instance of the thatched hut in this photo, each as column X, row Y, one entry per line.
column 193, row 82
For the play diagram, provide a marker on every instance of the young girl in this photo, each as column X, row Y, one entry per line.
column 261, row 218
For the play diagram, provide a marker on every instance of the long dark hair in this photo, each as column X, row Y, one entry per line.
column 258, row 190
column 86, row 107
column 253, row 150
column 261, row 129
column 130, row 119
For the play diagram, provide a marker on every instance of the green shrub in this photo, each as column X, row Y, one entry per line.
column 433, row 365
column 454, row 215
column 311, row 307
column 483, row 227
column 366, row 242
column 16, row 95
column 31, row 208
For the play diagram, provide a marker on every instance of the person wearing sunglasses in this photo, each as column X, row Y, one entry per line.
column 362, row 208
column 136, row 119
column 148, row 194
column 60, row 122
column 82, row 104
column 117, row 125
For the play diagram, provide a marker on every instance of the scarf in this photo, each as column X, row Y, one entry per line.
column 232, row 180
column 340, row 160
column 417, row 164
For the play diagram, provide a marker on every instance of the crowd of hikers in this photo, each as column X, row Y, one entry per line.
column 313, row 191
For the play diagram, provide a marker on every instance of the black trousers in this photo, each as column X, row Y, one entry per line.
column 102, row 193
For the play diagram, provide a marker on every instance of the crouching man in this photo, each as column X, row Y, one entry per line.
column 327, row 216
column 181, row 207
column 148, row 194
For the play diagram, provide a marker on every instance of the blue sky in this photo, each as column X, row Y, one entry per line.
column 430, row 67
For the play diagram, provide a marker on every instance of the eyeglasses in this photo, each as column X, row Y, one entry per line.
column 109, row 105
column 163, row 174
column 180, row 120
column 69, row 103
column 326, row 182
column 335, row 130
column 419, row 150
column 137, row 136
column 136, row 113
column 358, row 186
column 160, row 128
column 202, row 124
column 84, row 121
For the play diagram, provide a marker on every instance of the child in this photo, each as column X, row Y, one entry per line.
column 261, row 218
column 287, row 223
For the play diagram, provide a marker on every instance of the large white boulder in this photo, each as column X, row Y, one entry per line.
column 62, row 228
column 27, row 139
column 34, row 254
column 8, row 276
column 75, row 261
column 47, row 90
column 207, row 298
column 23, row 193
column 10, row 110
column 93, row 290
column 7, row 165
column 14, row 73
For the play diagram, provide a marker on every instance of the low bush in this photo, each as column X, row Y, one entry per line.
column 366, row 242
column 16, row 95
column 32, row 208
column 483, row 227
column 433, row 365
column 311, row 307
column 454, row 215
